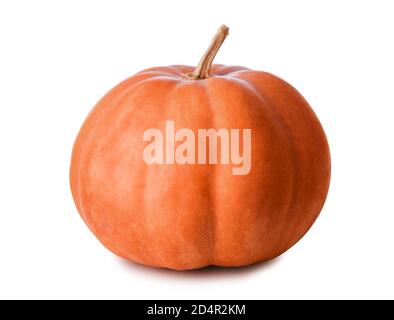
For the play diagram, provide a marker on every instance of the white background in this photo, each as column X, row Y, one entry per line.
column 57, row 58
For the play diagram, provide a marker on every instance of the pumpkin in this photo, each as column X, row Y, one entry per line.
column 175, row 211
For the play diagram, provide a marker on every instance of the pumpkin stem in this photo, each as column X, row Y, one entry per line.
column 204, row 66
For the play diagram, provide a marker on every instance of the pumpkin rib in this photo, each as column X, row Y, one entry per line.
column 95, row 117
column 180, row 69
column 152, row 254
column 123, row 99
column 231, row 85
column 314, row 126
column 224, row 70
column 217, row 250
column 158, row 259
column 167, row 115
column 213, row 178
column 282, row 125
column 208, row 252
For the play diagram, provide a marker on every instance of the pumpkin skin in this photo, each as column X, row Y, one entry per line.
column 190, row 216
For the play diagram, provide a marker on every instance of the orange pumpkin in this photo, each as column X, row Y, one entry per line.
column 193, row 214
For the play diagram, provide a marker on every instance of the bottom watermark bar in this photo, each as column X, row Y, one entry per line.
column 195, row 309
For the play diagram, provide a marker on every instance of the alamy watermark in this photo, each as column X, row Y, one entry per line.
column 199, row 147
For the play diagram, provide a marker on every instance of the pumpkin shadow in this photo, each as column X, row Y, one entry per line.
column 203, row 273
